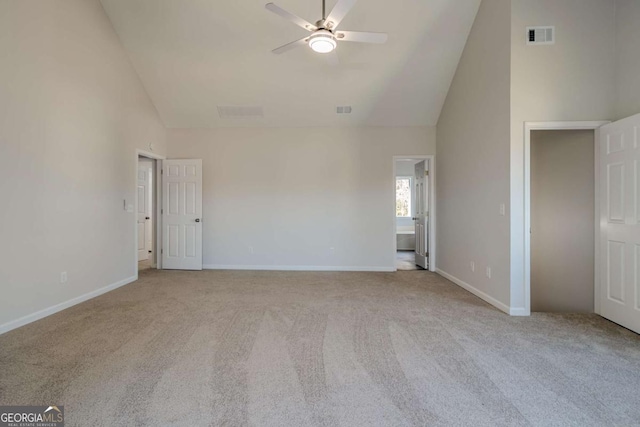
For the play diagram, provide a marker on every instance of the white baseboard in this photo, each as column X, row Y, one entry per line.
column 519, row 311
column 295, row 268
column 13, row 324
column 491, row 300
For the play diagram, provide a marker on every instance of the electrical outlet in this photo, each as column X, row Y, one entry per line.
column 472, row 265
column 251, row 249
column 489, row 272
column 63, row 277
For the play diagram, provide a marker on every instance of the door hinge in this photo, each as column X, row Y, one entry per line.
column 161, row 171
column 426, row 173
column 161, row 251
column 161, row 211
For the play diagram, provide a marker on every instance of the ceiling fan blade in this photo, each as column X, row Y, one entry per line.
column 338, row 13
column 290, row 17
column 289, row 46
column 361, row 37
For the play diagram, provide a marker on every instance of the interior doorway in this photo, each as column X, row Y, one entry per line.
column 562, row 177
column 146, row 210
column 529, row 129
column 413, row 214
column 145, row 217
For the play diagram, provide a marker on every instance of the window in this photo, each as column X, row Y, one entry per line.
column 403, row 197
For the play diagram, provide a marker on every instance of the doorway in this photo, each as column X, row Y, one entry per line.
column 530, row 128
column 562, row 177
column 413, row 213
column 146, row 210
column 145, row 217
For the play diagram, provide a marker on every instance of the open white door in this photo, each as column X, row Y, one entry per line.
column 421, row 219
column 144, row 209
column 182, row 214
column 620, row 222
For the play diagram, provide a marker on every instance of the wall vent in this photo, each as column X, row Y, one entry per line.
column 234, row 112
column 344, row 110
column 541, row 35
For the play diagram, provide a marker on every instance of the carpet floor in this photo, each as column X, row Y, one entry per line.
column 235, row 348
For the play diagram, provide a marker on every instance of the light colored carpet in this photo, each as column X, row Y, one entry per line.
column 327, row 349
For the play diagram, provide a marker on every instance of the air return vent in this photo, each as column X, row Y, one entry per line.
column 344, row 110
column 235, row 112
column 541, row 35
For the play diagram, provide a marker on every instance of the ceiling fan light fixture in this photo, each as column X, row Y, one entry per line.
column 323, row 37
column 322, row 42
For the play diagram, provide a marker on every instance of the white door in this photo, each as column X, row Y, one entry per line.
column 620, row 222
column 421, row 180
column 144, row 209
column 182, row 214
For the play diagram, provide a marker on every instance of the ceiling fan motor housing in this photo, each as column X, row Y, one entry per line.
column 322, row 41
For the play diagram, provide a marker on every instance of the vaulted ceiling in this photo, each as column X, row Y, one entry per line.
column 195, row 55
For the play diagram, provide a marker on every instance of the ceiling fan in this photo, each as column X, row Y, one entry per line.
column 324, row 35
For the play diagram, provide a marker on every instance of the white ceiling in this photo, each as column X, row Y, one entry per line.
column 194, row 55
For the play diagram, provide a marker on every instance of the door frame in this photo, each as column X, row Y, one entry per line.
column 157, row 184
column 432, row 209
column 569, row 125
column 151, row 164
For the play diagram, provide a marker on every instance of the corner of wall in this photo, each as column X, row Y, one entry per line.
column 473, row 139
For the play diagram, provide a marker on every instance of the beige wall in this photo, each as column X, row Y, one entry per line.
column 473, row 158
column 562, row 221
column 574, row 79
column 500, row 84
column 72, row 113
column 299, row 197
column 628, row 58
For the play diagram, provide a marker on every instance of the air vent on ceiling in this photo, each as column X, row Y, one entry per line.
column 234, row 112
column 344, row 110
column 541, row 35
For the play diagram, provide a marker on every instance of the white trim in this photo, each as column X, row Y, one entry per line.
column 432, row 216
column 295, row 268
column 157, row 256
column 597, row 228
column 519, row 311
column 574, row 125
column 486, row 297
column 432, row 210
column 13, row 324
column 158, row 217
